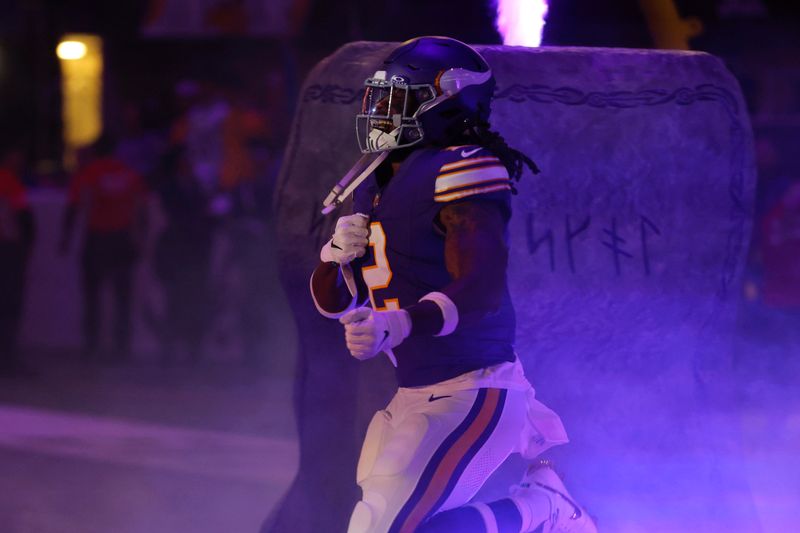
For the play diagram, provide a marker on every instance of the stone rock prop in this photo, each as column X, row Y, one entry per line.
column 626, row 251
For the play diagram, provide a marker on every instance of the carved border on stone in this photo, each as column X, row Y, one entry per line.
column 620, row 99
column 332, row 94
column 338, row 95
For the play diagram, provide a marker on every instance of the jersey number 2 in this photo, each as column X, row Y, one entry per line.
column 379, row 275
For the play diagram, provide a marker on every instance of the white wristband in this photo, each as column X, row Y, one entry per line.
column 449, row 311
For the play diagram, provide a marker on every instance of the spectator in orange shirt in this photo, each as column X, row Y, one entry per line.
column 16, row 238
column 113, row 197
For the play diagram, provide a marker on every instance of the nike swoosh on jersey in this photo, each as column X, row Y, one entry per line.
column 467, row 153
column 434, row 398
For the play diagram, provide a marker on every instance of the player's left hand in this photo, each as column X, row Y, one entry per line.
column 368, row 332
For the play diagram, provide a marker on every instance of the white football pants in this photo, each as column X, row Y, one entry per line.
column 433, row 447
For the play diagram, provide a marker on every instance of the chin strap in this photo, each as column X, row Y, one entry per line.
column 365, row 166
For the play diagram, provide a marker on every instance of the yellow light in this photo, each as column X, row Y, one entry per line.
column 81, row 62
column 71, row 50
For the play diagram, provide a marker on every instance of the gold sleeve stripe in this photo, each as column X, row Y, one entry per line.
column 467, row 162
column 468, row 177
column 454, row 148
column 470, row 192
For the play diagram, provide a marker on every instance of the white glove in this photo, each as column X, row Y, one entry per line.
column 369, row 332
column 350, row 239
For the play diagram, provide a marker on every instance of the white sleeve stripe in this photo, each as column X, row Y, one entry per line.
column 493, row 180
column 470, row 192
column 471, row 168
column 467, row 162
column 470, row 177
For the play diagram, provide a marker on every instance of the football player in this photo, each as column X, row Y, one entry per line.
column 418, row 272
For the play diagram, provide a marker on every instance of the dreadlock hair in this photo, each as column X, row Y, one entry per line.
column 511, row 158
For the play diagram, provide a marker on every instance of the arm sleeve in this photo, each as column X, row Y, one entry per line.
column 335, row 289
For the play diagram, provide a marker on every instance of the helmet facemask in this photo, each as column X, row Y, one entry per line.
column 395, row 114
column 389, row 113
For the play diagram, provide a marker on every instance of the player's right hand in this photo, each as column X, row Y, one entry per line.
column 350, row 239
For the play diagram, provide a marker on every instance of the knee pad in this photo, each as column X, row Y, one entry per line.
column 361, row 519
column 367, row 513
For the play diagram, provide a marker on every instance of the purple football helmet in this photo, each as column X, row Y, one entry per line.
column 430, row 89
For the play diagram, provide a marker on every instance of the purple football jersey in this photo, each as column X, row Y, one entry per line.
column 406, row 257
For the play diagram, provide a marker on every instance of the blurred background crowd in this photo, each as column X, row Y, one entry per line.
column 140, row 140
